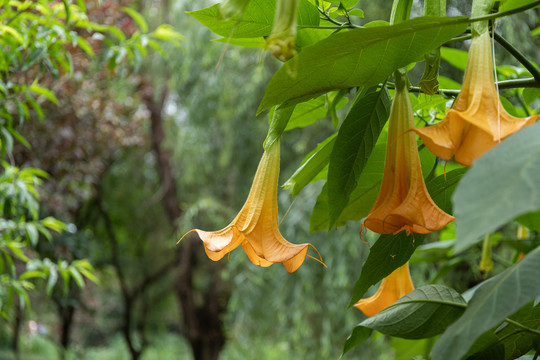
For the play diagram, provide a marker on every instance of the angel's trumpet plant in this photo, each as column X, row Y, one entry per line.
column 282, row 40
column 403, row 202
column 392, row 288
column 255, row 227
column 477, row 121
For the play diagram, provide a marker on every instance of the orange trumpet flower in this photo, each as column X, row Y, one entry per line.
column 256, row 225
column 403, row 202
column 392, row 288
column 477, row 121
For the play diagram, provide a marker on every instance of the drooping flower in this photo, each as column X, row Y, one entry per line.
column 392, row 288
column 403, row 202
column 477, row 121
column 255, row 227
column 282, row 40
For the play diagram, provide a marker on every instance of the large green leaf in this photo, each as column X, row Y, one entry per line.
column 501, row 185
column 257, row 19
column 492, row 302
column 425, row 312
column 360, row 57
column 356, row 139
column 510, row 338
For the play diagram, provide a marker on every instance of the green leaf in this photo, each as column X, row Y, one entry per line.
column 167, row 33
column 499, row 187
column 356, row 139
column 512, row 339
column 357, row 337
column 32, row 274
column 507, row 5
column 139, row 19
column 455, row 57
column 425, row 312
column 530, row 95
column 43, row 91
column 387, row 254
column 257, row 19
column 530, row 220
column 492, row 302
column 360, row 57
column 361, row 199
column 442, row 187
column 312, row 165
column 357, row 12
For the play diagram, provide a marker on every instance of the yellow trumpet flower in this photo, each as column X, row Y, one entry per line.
column 477, row 121
column 256, row 225
column 392, row 288
column 403, row 202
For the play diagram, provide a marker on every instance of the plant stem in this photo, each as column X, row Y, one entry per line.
column 506, row 13
column 521, row 326
column 519, row 56
column 506, row 84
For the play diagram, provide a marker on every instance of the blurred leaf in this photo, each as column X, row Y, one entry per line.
column 455, row 57
column 359, row 57
column 530, row 220
column 507, row 5
column 167, row 33
column 139, row 19
column 531, row 94
column 499, row 187
column 425, row 312
column 357, row 12
column 32, row 274
column 43, row 91
column 492, row 302
column 54, row 224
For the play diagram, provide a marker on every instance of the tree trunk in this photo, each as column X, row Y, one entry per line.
column 202, row 322
column 16, row 330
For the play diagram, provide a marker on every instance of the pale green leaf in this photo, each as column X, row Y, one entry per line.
column 501, row 185
column 491, row 303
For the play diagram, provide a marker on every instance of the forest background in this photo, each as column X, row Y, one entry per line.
column 138, row 138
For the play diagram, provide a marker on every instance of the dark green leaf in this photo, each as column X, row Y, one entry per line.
column 360, row 57
column 361, row 199
column 387, row 254
column 500, row 186
column 355, row 141
column 357, row 337
column 491, row 303
column 423, row 313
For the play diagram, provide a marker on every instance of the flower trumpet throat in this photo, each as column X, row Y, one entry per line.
column 477, row 121
column 403, row 202
column 255, row 227
column 282, row 40
column 392, row 288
